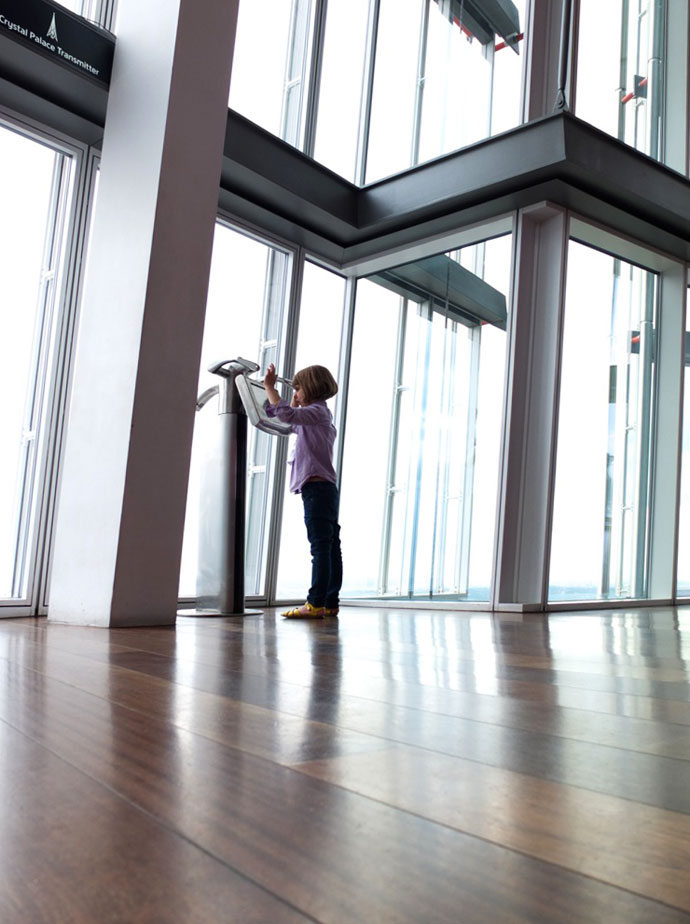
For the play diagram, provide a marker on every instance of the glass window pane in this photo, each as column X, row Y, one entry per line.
column 340, row 94
column 441, row 82
column 248, row 289
column 600, row 520
column 493, row 264
column 270, row 65
column 506, row 89
column 318, row 343
column 371, row 395
column 31, row 229
column 620, row 70
column 258, row 80
column 452, row 118
column 395, row 79
column 76, row 6
column 427, row 485
column 89, row 9
column 425, row 61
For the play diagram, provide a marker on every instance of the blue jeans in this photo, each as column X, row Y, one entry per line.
column 321, row 502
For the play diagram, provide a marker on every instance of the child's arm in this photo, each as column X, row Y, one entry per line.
column 312, row 415
column 292, row 413
column 270, row 385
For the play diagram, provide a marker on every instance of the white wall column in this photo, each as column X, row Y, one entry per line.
column 536, row 313
column 125, row 467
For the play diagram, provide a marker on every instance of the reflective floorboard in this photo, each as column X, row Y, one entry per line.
column 387, row 766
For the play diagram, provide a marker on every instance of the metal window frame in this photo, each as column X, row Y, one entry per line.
column 292, row 337
column 85, row 204
column 274, row 491
column 45, row 316
column 275, row 481
column 269, row 351
column 394, row 433
column 301, row 16
column 53, row 368
column 277, row 493
column 311, row 81
column 662, row 508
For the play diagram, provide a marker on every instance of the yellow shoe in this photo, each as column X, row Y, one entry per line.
column 306, row 611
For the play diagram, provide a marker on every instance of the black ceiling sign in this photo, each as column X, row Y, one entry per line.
column 51, row 30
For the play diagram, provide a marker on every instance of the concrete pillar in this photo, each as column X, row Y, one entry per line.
column 527, row 477
column 124, row 474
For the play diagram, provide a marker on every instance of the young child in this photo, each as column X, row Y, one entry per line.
column 313, row 476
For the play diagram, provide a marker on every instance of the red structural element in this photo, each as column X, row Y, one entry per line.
column 631, row 95
column 518, row 38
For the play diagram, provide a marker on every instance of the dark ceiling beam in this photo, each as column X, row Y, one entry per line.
column 278, row 189
column 575, row 164
column 265, row 171
column 44, row 90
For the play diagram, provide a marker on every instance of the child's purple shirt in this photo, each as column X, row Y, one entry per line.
column 313, row 456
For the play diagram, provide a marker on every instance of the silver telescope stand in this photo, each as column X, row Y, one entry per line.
column 221, row 555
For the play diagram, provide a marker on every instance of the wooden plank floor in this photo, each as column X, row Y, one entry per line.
column 389, row 766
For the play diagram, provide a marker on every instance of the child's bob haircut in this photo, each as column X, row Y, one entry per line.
column 316, row 382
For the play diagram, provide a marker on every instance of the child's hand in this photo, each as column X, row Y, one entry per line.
column 270, row 377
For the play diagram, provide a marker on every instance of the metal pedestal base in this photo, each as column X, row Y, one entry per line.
column 200, row 612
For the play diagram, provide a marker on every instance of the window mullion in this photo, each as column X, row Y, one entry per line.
column 398, row 388
column 290, row 328
column 367, row 92
column 33, row 413
column 295, row 67
column 419, row 88
column 314, row 87
column 462, row 574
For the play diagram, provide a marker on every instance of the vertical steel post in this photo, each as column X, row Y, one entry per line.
column 367, row 93
column 644, row 443
column 655, row 77
column 623, row 71
column 421, row 81
column 564, row 58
